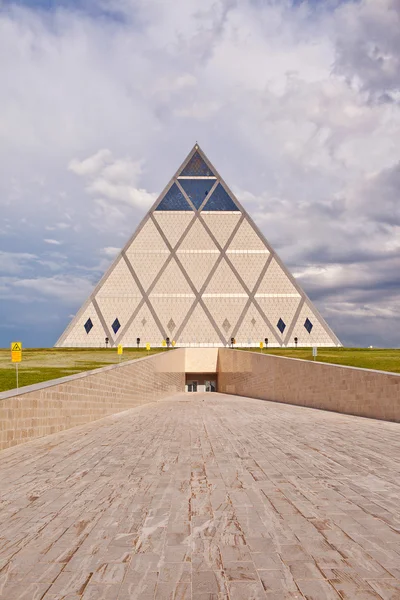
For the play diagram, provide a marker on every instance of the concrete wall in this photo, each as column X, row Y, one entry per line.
column 362, row 392
column 201, row 360
column 42, row 409
column 38, row 410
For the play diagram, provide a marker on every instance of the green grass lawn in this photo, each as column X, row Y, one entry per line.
column 367, row 358
column 42, row 364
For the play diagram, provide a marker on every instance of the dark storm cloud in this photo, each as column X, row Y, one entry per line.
column 368, row 46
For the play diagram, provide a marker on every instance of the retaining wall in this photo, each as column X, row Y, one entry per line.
column 201, row 360
column 49, row 407
column 38, row 410
column 349, row 390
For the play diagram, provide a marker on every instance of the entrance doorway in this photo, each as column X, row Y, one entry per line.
column 192, row 386
column 201, row 382
column 210, row 385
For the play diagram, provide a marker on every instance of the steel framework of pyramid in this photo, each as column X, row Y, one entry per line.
column 198, row 271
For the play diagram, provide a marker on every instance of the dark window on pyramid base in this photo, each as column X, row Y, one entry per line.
column 308, row 325
column 88, row 325
column 281, row 326
column 116, row 325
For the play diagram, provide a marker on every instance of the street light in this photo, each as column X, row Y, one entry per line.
column 107, row 340
column 138, row 342
column 295, row 341
column 266, row 342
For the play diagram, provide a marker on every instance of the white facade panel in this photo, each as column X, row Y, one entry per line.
column 221, row 224
column 247, row 238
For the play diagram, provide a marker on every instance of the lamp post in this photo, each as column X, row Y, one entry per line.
column 168, row 342
column 232, row 341
column 138, row 342
column 266, row 342
column 295, row 341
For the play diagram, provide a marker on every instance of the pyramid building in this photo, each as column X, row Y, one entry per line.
column 198, row 271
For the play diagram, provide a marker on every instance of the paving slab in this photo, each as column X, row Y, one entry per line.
column 204, row 496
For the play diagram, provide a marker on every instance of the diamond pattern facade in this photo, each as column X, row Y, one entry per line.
column 197, row 270
column 221, row 229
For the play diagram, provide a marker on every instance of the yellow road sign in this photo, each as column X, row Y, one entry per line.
column 174, row 343
column 148, row 346
column 261, row 345
column 16, row 352
column 120, row 349
column 163, row 343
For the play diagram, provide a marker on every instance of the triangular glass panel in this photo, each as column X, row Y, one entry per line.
column 220, row 200
column 196, row 167
column 174, row 200
column 197, row 189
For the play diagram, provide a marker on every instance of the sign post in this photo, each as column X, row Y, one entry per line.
column 120, row 351
column 148, row 347
column 164, row 343
column 261, row 346
column 16, row 356
column 314, row 351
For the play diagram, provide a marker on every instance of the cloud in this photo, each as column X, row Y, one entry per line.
column 368, row 46
column 111, row 252
column 52, row 242
column 91, row 165
column 297, row 104
column 15, row 262
column 113, row 179
column 62, row 288
column 58, row 226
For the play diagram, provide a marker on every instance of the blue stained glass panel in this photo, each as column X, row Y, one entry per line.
column 116, row 325
column 308, row 325
column 196, row 167
column 281, row 326
column 197, row 189
column 174, row 200
column 88, row 325
column 220, row 200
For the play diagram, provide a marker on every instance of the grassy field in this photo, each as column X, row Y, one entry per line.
column 42, row 364
column 367, row 358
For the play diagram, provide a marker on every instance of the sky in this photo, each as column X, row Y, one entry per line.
column 296, row 103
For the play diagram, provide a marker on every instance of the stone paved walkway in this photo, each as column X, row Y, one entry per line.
column 204, row 497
